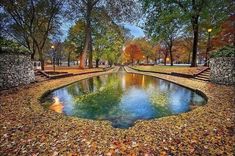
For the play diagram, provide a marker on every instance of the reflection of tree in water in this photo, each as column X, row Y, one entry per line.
column 74, row 90
column 160, row 101
column 97, row 82
column 137, row 80
column 82, row 87
column 99, row 104
column 196, row 100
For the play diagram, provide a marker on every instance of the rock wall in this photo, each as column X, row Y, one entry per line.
column 15, row 70
column 222, row 70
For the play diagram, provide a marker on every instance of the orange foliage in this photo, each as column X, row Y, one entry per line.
column 227, row 34
column 181, row 51
column 132, row 53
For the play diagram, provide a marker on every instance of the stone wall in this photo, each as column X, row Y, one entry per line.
column 15, row 70
column 222, row 70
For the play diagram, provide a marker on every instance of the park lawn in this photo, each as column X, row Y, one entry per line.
column 170, row 69
column 73, row 69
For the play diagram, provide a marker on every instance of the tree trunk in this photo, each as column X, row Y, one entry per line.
column 82, row 59
column 41, row 59
column 165, row 59
column 97, row 63
column 189, row 57
column 132, row 60
column 32, row 55
column 69, row 59
column 195, row 41
column 171, row 57
column 58, row 62
column 90, row 49
column 33, row 52
column 88, row 41
column 147, row 59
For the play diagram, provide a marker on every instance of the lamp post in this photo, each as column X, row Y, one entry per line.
column 53, row 54
column 208, row 45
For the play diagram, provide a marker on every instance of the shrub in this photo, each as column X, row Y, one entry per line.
column 8, row 46
column 227, row 51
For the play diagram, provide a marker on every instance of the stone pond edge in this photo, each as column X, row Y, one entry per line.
column 44, row 94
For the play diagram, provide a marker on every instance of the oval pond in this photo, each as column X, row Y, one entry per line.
column 122, row 98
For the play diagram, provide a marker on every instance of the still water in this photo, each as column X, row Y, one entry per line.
column 122, row 98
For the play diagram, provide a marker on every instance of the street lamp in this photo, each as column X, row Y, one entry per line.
column 208, row 45
column 53, row 54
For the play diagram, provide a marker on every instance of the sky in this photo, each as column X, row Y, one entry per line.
column 134, row 30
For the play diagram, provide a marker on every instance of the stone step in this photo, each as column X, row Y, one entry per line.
column 202, row 79
column 205, row 74
column 202, row 76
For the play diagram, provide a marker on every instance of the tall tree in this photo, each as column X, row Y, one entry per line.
column 199, row 11
column 85, row 9
column 76, row 37
column 132, row 52
column 194, row 12
column 70, row 50
column 146, row 48
column 164, row 26
column 32, row 22
column 108, row 38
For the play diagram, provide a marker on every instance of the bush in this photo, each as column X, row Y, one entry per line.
column 8, row 46
column 227, row 51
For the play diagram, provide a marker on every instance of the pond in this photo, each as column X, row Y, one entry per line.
column 122, row 98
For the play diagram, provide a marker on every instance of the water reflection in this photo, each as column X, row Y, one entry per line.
column 123, row 98
column 57, row 106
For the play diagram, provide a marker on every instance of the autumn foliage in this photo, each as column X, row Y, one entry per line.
column 227, row 34
column 132, row 52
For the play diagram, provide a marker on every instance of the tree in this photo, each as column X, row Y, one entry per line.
column 164, row 27
column 70, row 50
column 146, row 48
column 108, row 38
column 133, row 52
column 32, row 22
column 164, row 52
column 198, row 11
column 76, row 38
column 113, row 48
column 226, row 35
column 182, row 50
column 194, row 12
column 85, row 9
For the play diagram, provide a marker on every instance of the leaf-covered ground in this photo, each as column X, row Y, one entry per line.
column 26, row 128
column 169, row 69
column 72, row 69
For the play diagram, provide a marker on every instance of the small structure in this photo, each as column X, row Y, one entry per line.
column 222, row 66
column 222, row 70
column 16, row 68
column 37, row 65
